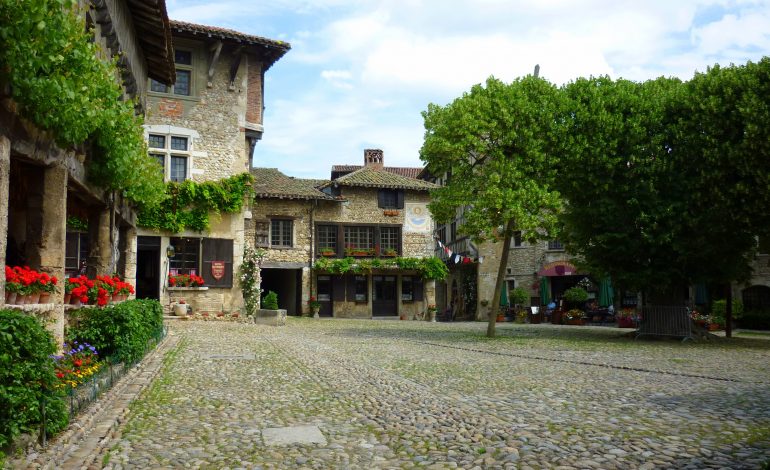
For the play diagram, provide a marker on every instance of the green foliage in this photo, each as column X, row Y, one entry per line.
column 60, row 83
column 575, row 295
column 664, row 177
column 250, row 278
column 76, row 223
column 270, row 302
column 186, row 205
column 121, row 331
column 27, row 378
column 719, row 308
column 429, row 268
column 519, row 296
column 500, row 144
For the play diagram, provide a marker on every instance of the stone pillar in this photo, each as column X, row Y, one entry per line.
column 430, row 296
column 100, row 252
column 128, row 255
column 53, row 238
column 5, row 170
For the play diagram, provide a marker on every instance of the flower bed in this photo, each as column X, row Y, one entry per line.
column 100, row 291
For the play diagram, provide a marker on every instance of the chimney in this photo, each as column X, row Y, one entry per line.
column 374, row 158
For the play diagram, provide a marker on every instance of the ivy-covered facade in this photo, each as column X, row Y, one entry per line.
column 202, row 131
column 71, row 144
column 359, row 243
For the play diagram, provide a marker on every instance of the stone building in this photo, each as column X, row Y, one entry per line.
column 281, row 223
column 363, row 212
column 204, row 127
column 42, row 184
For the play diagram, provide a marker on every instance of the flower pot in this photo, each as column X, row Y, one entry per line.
column 67, row 298
column 10, row 298
column 75, row 301
column 625, row 322
column 180, row 310
column 500, row 318
column 556, row 317
column 714, row 327
column 575, row 321
column 45, row 297
column 33, row 298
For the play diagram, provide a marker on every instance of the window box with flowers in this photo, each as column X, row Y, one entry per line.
column 328, row 252
column 185, row 280
column 352, row 251
column 574, row 317
column 27, row 286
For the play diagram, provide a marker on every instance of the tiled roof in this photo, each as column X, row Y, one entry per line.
column 271, row 183
column 409, row 172
column 271, row 49
column 375, row 178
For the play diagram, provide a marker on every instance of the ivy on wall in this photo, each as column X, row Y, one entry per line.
column 187, row 205
column 429, row 268
column 57, row 79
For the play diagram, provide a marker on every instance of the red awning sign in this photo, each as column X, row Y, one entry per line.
column 558, row 268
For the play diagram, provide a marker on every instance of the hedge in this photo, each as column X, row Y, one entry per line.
column 120, row 331
column 26, row 377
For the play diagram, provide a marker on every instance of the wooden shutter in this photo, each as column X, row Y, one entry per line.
column 381, row 198
column 338, row 288
column 399, row 199
column 217, row 249
column 418, row 288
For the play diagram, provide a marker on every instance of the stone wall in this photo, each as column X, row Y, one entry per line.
column 299, row 211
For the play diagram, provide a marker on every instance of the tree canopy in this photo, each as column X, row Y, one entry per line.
column 498, row 142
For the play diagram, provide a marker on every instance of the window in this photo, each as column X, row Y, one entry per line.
column 441, row 234
column 186, row 259
column 183, row 86
column 389, row 238
column 280, row 232
column 360, row 288
column 452, row 231
column 764, row 245
column 555, row 245
column 76, row 253
column 327, row 239
column 517, row 238
column 359, row 240
column 407, row 288
column 174, row 150
column 390, row 199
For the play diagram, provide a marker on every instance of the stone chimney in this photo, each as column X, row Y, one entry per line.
column 374, row 158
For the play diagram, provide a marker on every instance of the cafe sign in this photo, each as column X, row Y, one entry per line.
column 218, row 269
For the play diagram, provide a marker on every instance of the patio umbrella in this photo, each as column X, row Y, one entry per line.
column 504, row 302
column 606, row 293
column 545, row 291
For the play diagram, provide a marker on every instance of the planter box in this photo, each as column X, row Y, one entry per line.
column 626, row 322
column 270, row 317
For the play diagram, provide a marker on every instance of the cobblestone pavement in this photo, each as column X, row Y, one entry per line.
column 388, row 394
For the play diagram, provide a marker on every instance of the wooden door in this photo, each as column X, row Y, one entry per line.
column 384, row 296
column 324, row 290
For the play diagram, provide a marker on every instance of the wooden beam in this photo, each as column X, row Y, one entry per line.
column 216, row 49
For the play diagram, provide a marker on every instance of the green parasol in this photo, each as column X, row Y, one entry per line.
column 606, row 293
column 504, row 302
column 545, row 291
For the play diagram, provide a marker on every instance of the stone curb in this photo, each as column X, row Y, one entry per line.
column 93, row 429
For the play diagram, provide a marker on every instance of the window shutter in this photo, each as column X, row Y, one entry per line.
column 217, row 249
column 338, row 288
column 418, row 288
column 399, row 199
column 381, row 198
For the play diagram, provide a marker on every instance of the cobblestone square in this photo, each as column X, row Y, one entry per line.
column 390, row 394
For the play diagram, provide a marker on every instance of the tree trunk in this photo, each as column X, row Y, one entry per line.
column 729, row 311
column 495, row 307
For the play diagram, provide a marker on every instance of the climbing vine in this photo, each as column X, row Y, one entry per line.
column 60, row 83
column 250, row 278
column 429, row 268
column 187, row 205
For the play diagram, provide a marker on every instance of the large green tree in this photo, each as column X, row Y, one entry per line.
column 499, row 142
column 668, row 183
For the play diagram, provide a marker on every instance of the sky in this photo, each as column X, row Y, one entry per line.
column 360, row 72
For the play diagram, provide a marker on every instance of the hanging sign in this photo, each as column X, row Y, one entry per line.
column 218, row 269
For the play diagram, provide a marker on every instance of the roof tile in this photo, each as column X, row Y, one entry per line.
column 271, row 183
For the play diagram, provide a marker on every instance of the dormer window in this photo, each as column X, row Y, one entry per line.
column 390, row 199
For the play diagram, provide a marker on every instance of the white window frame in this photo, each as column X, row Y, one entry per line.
column 167, row 132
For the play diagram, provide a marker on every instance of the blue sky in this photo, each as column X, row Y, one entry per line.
column 360, row 72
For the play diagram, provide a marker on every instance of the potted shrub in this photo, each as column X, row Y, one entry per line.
column 315, row 306
column 328, row 252
column 575, row 296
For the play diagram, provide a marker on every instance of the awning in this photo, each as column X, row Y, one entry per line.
column 558, row 268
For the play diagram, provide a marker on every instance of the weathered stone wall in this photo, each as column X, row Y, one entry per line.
column 526, row 260
column 217, row 114
column 298, row 211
